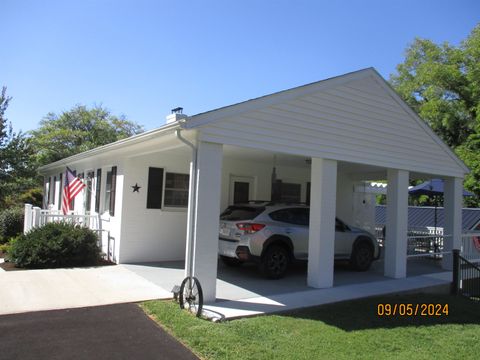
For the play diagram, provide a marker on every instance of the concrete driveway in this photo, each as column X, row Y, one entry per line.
column 36, row 290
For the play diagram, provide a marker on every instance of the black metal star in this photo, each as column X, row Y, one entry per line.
column 136, row 188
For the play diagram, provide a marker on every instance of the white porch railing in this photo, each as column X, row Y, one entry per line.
column 428, row 241
column 425, row 245
column 35, row 217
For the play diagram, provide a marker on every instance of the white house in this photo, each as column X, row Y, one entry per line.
column 320, row 140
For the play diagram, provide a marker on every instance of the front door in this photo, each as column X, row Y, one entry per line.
column 241, row 189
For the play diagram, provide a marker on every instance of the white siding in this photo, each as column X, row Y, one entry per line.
column 358, row 121
column 151, row 234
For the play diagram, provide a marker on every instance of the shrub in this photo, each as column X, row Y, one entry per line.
column 32, row 196
column 4, row 248
column 56, row 245
column 11, row 223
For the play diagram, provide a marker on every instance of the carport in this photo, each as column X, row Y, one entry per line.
column 324, row 139
column 353, row 125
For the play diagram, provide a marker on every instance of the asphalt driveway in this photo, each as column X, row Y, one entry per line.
column 105, row 332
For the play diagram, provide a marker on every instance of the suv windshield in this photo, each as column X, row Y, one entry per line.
column 236, row 212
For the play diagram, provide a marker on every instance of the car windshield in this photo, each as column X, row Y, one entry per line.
column 235, row 213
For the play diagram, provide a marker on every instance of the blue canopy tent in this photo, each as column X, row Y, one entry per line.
column 433, row 188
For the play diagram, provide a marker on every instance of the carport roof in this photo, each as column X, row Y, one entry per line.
column 359, row 127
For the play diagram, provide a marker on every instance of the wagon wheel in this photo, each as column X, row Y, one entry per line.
column 191, row 295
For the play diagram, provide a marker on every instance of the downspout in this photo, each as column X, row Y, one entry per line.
column 192, row 206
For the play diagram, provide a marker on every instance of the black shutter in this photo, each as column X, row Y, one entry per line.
column 54, row 183
column 112, row 190
column 97, row 191
column 155, row 188
column 60, row 192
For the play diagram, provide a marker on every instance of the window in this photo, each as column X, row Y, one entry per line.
column 110, row 185
column 97, row 190
column 235, row 212
column 113, row 189
column 297, row 216
column 291, row 192
column 286, row 192
column 88, row 191
column 155, row 188
column 241, row 190
column 176, row 190
column 340, row 226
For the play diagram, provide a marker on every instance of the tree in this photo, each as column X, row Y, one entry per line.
column 78, row 130
column 17, row 171
column 442, row 84
column 5, row 130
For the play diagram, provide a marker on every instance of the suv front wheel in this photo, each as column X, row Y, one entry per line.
column 362, row 256
column 274, row 262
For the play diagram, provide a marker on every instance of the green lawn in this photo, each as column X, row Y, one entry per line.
column 338, row 331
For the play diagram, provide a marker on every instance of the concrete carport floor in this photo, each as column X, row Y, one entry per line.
column 243, row 291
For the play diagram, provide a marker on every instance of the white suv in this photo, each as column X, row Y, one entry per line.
column 275, row 234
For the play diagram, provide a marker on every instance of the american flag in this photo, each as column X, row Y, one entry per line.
column 73, row 185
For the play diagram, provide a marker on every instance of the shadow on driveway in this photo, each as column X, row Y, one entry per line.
column 104, row 332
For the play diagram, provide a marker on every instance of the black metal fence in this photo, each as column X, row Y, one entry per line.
column 466, row 277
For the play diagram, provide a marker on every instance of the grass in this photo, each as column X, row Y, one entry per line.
column 346, row 330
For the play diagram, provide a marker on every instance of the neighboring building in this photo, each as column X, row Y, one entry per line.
column 317, row 142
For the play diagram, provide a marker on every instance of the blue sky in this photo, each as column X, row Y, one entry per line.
column 142, row 58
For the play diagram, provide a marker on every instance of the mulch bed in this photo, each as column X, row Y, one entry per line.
column 9, row 266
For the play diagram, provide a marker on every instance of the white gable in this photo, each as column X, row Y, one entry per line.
column 356, row 118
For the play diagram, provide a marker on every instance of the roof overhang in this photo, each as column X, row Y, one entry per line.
column 165, row 130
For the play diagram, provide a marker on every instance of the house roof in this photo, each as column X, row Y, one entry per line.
column 424, row 216
column 165, row 129
column 355, row 117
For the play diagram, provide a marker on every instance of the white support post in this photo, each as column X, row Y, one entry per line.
column 453, row 199
column 36, row 221
column 207, row 215
column 322, row 223
column 397, row 224
column 27, row 221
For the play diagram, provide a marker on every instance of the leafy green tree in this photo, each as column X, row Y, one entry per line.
column 17, row 171
column 442, row 84
column 5, row 127
column 78, row 130
column 469, row 152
